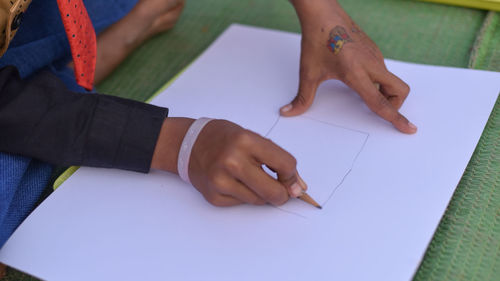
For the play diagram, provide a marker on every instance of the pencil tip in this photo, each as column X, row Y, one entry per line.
column 306, row 198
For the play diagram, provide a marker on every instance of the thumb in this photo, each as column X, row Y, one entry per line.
column 303, row 100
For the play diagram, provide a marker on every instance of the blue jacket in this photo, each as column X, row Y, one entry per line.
column 39, row 47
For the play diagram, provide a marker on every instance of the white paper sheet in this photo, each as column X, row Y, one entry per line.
column 386, row 191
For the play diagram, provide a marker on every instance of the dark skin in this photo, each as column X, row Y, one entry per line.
column 226, row 163
column 359, row 64
column 148, row 18
column 226, row 159
column 228, row 170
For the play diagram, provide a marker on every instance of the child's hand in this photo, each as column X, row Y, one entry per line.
column 334, row 47
column 226, row 163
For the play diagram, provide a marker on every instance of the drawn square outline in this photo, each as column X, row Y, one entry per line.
column 323, row 201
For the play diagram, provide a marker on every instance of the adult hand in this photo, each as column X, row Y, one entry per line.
column 334, row 47
column 226, row 164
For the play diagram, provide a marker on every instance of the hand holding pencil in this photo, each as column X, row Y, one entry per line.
column 224, row 162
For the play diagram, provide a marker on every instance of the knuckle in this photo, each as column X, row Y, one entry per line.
column 232, row 164
column 223, row 188
column 215, row 178
column 220, row 183
column 352, row 75
column 243, row 138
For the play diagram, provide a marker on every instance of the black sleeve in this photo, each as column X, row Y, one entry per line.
column 41, row 119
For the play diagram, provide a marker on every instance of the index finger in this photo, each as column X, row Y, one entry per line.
column 379, row 104
column 282, row 163
column 392, row 87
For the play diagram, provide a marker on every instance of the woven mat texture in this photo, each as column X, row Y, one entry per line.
column 486, row 51
column 466, row 245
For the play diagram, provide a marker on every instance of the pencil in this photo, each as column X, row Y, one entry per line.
column 308, row 199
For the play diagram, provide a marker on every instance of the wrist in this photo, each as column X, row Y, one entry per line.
column 318, row 14
column 169, row 142
column 305, row 8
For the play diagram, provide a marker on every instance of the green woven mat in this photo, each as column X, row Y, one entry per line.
column 466, row 245
column 486, row 51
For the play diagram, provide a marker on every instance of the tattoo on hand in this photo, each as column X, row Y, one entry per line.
column 338, row 37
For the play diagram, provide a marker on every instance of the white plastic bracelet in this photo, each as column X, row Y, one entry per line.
column 187, row 146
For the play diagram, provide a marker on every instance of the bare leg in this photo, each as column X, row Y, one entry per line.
column 147, row 18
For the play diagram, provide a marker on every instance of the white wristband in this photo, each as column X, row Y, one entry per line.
column 187, row 146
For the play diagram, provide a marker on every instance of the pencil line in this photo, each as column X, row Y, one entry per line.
column 272, row 128
column 336, row 125
column 335, row 188
column 348, row 172
column 291, row 213
column 367, row 135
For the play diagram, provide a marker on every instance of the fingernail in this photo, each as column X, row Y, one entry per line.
column 412, row 126
column 296, row 190
column 286, row 108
